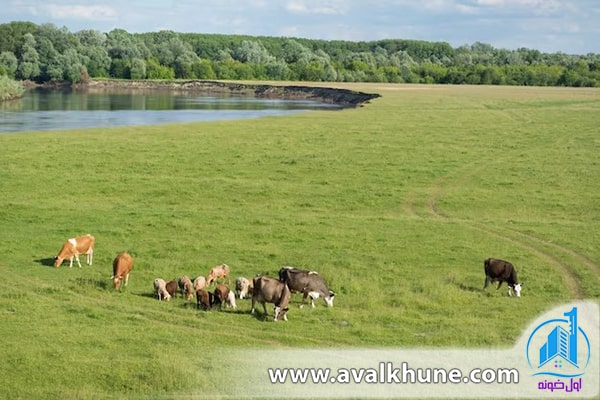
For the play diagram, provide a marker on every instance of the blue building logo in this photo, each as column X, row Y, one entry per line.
column 559, row 348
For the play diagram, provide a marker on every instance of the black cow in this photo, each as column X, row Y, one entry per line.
column 501, row 271
column 309, row 283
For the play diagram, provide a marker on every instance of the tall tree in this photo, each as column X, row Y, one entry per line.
column 9, row 62
column 93, row 47
column 29, row 67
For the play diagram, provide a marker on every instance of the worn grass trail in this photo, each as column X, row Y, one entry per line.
column 396, row 203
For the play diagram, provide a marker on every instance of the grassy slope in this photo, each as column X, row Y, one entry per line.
column 396, row 203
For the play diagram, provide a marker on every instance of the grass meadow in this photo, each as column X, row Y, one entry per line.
column 396, row 203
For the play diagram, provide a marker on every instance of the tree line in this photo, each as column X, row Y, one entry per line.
column 46, row 53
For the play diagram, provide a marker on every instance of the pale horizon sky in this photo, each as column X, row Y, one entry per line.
column 568, row 26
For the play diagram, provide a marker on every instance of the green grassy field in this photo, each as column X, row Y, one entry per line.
column 396, row 204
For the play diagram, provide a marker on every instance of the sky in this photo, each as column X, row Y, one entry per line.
column 568, row 26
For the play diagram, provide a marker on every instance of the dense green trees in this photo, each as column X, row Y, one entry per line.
column 46, row 53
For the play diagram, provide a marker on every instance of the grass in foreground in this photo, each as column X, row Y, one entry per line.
column 396, row 203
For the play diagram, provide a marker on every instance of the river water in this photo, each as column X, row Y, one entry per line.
column 43, row 110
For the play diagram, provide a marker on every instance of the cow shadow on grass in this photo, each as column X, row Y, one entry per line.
column 46, row 262
column 467, row 288
column 95, row 283
column 148, row 295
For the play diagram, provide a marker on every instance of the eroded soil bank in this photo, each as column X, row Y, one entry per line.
column 342, row 97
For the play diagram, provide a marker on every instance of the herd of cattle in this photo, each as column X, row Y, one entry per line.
column 261, row 289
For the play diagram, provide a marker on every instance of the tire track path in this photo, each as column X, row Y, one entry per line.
column 539, row 246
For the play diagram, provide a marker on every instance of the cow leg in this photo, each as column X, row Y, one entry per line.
column 78, row 262
column 303, row 299
column 499, row 284
column 71, row 262
column 90, row 257
column 126, row 279
column 487, row 282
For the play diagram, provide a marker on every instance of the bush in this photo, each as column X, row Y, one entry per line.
column 9, row 88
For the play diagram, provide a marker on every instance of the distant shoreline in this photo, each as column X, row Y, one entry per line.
column 343, row 97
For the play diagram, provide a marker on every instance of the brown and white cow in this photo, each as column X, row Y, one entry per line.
column 501, row 271
column 309, row 283
column 219, row 271
column 73, row 247
column 223, row 295
column 160, row 289
column 122, row 266
column 186, row 286
column 243, row 287
column 271, row 290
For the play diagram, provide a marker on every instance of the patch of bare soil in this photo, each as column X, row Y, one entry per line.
column 343, row 97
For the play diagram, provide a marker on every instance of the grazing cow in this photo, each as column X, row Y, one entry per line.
column 199, row 283
column 501, row 271
column 220, row 271
column 270, row 290
column 171, row 287
column 73, row 247
column 122, row 266
column 309, row 283
column 160, row 288
column 185, row 284
column 204, row 299
column 222, row 295
column 243, row 287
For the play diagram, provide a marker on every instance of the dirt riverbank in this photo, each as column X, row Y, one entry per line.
column 342, row 97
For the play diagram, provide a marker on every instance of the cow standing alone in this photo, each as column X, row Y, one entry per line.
column 501, row 271
column 73, row 247
column 122, row 266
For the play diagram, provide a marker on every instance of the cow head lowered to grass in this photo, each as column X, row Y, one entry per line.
column 501, row 271
column 309, row 283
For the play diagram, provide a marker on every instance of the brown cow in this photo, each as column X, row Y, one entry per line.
column 224, row 295
column 171, row 287
column 220, row 271
column 271, row 290
column 185, row 284
column 204, row 299
column 73, row 247
column 122, row 266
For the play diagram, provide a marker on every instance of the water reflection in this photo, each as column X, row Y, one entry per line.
column 71, row 109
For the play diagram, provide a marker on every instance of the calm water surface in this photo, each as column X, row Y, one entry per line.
column 42, row 110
